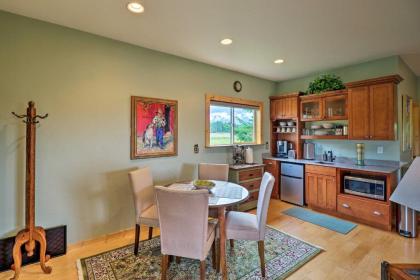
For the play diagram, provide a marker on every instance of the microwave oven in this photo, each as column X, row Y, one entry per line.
column 367, row 187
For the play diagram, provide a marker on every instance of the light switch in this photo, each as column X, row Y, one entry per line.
column 196, row 149
column 380, row 149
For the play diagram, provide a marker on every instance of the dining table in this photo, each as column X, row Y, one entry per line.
column 223, row 195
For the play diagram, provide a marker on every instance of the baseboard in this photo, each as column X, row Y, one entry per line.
column 56, row 246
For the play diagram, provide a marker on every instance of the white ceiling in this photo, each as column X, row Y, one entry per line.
column 310, row 35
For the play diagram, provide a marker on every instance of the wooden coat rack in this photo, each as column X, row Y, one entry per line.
column 31, row 233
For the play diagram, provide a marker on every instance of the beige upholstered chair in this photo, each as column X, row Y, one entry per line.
column 184, row 227
column 213, row 171
column 246, row 226
column 144, row 201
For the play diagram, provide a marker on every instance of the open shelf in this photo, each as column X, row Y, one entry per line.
column 324, row 136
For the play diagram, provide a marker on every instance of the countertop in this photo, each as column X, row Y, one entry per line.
column 408, row 190
column 379, row 166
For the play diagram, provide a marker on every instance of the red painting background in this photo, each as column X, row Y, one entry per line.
column 147, row 111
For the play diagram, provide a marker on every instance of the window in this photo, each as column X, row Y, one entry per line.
column 231, row 121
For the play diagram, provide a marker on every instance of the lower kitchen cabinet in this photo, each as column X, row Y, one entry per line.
column 321, row 189
column 273, row 167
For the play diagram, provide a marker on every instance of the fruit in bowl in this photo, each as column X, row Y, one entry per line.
column 203, row 184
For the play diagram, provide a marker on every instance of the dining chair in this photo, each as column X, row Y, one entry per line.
column 246, row 226
column 184, row 227
column 144, row 202
column 213, row 171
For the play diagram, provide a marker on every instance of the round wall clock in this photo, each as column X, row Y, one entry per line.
column 237, row 86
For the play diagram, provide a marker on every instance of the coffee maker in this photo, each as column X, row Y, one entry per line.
column 282, row 149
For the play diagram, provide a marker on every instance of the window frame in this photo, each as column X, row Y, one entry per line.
column 235, row 102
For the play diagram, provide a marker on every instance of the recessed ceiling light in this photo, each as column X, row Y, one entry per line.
column 135, row 7
column 279, row 61
column 226, row 41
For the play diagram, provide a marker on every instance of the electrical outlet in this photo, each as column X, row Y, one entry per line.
column 196, row 149
column 380, row 149
column 266, row 145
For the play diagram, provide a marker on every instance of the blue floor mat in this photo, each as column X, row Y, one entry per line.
column 322, row 220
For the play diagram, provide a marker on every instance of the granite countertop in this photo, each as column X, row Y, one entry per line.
column 245, row 166
column 380, row 166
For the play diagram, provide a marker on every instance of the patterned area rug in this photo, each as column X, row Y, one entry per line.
column 284, row 254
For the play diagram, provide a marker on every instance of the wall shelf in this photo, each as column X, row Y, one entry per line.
column 341, row 137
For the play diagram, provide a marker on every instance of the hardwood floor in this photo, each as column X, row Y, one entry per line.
column 356, row 255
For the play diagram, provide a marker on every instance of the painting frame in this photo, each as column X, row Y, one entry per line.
column 143, row 105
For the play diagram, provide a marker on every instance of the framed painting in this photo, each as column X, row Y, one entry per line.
column 154, row 127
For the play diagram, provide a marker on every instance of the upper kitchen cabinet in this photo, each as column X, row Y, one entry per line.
column 373, row 108
column 284, row 106
column 324, row 106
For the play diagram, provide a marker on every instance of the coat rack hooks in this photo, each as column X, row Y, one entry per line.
column 30, row 118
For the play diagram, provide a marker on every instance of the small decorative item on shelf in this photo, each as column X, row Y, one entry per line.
column 339, row 130
column 345, row 130
column 283, row 123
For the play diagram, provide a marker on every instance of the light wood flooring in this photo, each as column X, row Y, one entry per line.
column 356, row 255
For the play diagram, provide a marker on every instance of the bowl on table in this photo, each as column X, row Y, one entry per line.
column 203, row 184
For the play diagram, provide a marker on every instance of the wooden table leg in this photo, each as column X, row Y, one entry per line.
column 222, row 229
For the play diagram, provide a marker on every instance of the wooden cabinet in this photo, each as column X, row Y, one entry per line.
column 321, row 187
column 284, row 107
column 325, row 106
column 250, row 178
column 373, row 109
column 273, row 167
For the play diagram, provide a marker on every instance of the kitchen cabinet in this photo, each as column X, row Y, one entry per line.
column 284, row 107
column 327, row 106
column 273, row 167
column 321, row 187
column 373, row 109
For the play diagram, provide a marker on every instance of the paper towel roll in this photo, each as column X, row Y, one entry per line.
column 249, row 155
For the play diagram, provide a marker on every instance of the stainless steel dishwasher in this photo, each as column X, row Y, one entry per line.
column 292, row 183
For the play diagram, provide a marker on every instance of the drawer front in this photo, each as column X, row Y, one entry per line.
column 291, row 169
column 252, row 185
column 253, row 196
column 271, row 166
column 322, row 170
column 250, row 174
column 369, row 211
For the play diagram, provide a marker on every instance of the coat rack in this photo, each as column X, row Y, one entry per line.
column 31, row 233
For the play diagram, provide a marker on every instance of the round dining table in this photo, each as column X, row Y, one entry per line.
column 224, row 194
column 220, row 200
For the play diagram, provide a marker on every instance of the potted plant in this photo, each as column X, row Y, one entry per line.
column 325, row 82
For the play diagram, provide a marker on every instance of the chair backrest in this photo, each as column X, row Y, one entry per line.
column 213, row 171
column 264, row 195
column 142, row 186
column 183, row 218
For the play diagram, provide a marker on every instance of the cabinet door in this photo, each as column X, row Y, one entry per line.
column 272, row 166
column 331, row 190
column 335, row 107
column 311, row 189
column 321, row 192
column 273, row 111
column 293, row 107
column 382, row 112
column 280, row 108
column 359, row 113
column 311, row 110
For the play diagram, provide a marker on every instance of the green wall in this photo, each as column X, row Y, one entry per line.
column 83, row 155
column 371, row 69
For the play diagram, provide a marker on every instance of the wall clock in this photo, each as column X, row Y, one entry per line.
column 237, row 86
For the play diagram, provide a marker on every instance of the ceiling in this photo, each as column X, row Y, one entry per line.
column 309, row 35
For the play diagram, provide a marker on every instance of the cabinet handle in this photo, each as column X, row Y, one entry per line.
column 377, row 213
column 269, row 163
column 250, row 175
column 346, row 205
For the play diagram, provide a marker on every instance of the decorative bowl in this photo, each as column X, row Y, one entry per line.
column 320, row 132
column 203, row 184
column 315, row 126
column 327, row 125
column 283, row 123
column 291, row 123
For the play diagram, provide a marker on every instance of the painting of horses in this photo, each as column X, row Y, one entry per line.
column 154, row 124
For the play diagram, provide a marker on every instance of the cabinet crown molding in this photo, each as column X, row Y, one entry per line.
column 286, row 95
column 396, row 79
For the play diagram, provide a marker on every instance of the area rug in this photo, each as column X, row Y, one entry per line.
column 284, row 254
column 322, row 220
